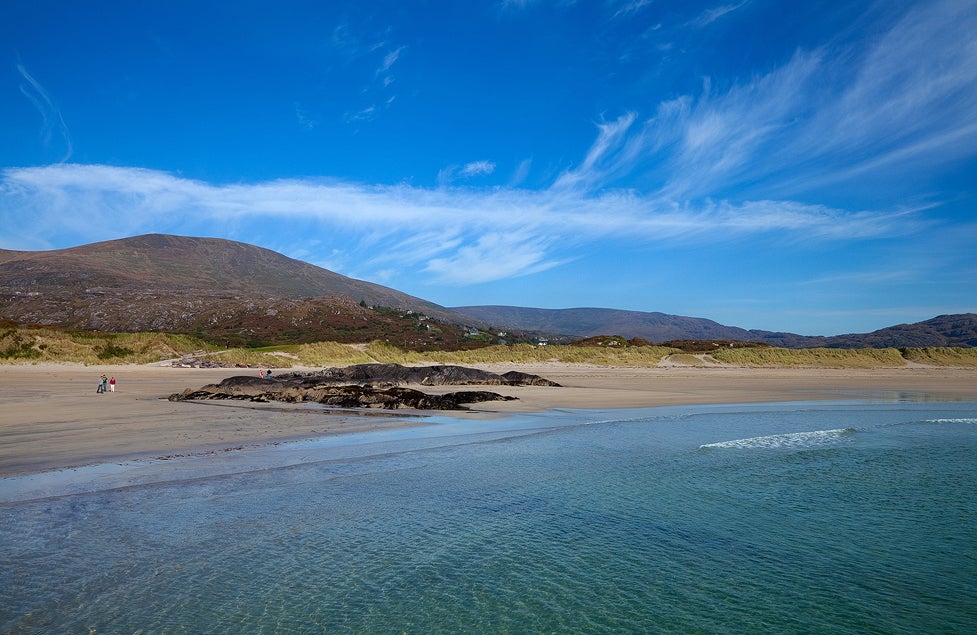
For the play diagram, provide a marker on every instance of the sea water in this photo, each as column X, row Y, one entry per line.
column 842, row 517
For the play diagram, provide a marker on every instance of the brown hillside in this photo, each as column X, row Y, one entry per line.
column 157, row 261
column 217, row 289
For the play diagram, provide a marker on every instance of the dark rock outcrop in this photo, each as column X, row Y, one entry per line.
column 438, row 375
column 366, row 386
column 516, row 378
column 391, row 398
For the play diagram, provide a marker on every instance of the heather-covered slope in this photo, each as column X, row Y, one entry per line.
column 213, row 288
column 158, row 262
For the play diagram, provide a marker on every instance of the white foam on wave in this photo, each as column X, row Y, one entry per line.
column 964, row 420
column 790, row 440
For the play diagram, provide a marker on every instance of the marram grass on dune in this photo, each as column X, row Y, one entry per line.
column 817, row 357
column 847, row 358
column 37, row 345
column 86, row 347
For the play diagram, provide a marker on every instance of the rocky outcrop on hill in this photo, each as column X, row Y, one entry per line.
column 366, row 386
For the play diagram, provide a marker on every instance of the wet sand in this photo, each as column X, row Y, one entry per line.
column 51, row 416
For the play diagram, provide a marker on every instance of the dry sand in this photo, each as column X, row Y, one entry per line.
column 51, row 416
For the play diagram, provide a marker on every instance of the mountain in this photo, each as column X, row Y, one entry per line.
column 220, row 289
column 945, row 330
column 231, row 292
column 163, row 262
column 587, row 322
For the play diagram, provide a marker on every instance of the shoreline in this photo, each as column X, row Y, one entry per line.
column 53, row 419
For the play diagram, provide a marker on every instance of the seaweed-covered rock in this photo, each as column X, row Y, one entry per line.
column 516, row 378
column 437, row 375
column 343, row 396
column 366, row 386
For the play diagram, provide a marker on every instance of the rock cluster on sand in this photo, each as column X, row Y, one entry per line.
column 367, row 386
column 439, row 375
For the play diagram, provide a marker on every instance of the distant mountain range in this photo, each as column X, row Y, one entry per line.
column 945, row 330
column 225, row 290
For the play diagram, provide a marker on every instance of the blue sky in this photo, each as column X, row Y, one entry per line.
column 807, row 167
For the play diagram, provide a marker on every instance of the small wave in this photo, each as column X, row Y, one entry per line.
column 964, row 420
column 791, row 440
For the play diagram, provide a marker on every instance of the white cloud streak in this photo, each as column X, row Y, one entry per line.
column 390, row 59
column 709, row 16
column 357, row 50
column 52, row 120
column 455, row 235
column 631, row 6
column 447, row 176
column 478, row 168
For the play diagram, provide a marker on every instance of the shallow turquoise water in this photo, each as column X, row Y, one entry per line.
column 856, row 517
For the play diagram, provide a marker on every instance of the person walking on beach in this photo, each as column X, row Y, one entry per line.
column 112, row 385
column 103, row 383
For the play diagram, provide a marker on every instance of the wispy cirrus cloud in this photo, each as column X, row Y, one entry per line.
column 52, row 122
column 478, row 168
column 351, row 44
column 453, row 173
column 709, row 16
column 906, row 103
column 629, row 7
column 494, row 256
column 609, row 153
column 384, row 72
column 912, row 97
column 357, row 50
column 455, row 235
column 517, row 4
column 390, row 59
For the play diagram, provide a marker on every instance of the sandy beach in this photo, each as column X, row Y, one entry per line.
column 51, row 416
